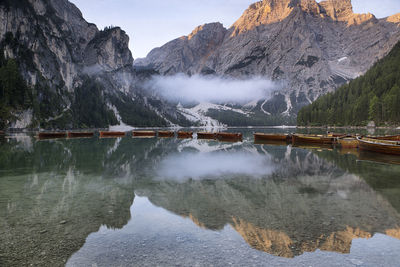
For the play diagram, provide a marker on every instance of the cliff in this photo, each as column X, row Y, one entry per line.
column 68, row 63
column 311, row 48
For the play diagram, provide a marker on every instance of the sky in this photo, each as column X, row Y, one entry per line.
column 152, row 23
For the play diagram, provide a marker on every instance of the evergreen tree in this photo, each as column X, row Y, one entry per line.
column 374, row 96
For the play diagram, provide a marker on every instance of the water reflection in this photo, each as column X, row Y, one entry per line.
column 281, row 200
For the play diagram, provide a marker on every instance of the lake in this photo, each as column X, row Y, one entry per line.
column 162, row 202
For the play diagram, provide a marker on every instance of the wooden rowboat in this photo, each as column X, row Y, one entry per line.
column 166, row 134
column 379, row 146
column 386, row 137
column 271, row 137
column 229, row 136
column 111, row 134
column 184, row 135
column 312, row 139
column 348, row 142
column 143, row 133
column 204, row 135
column 80, row 134
column 329, row 134
column 51, row 135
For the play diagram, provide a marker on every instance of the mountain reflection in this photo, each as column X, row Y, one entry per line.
column 213, row 165
column 281, row 200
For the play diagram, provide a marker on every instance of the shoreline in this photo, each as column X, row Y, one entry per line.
column 350, row 127
column 129, row 128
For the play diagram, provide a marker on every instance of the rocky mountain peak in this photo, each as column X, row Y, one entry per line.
column 109, row 50
column 206, row 29
column 342, row 10
column 195, row 48
column 337, row 9
column 274, row 11
column 394, row 19
column 263, row 12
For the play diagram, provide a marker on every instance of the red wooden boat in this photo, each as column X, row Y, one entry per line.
column 329, row 134
column 312, row 139
column 184, row 135
column 166, row 134
column 80, row 134
column 104, row 134
column 204, row 135
column 386, row 137
column 348, row 142
column 143, row 133
column 379, row 146
column 229, row 136
column 272, row 137
column 51, row 135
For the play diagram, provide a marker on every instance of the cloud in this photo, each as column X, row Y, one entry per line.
column 197, row 166
column 214, row 89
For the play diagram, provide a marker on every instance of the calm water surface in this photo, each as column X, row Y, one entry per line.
column 149, row 202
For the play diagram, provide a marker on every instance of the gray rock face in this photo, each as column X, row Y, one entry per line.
column 312, row 47
column 57, row 47
column 186, row 54
column 108, row 50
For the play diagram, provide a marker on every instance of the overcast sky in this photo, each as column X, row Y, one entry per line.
column 152, row 23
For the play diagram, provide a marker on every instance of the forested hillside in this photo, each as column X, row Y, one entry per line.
column 374, row 96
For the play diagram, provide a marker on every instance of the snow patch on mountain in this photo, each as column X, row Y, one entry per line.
column 198, row 113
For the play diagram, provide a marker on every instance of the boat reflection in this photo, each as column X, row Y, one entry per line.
column 283, row 200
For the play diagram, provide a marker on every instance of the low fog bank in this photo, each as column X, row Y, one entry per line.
column 197, row 88
column 189, row 165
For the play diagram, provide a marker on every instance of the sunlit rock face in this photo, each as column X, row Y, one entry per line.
column 187, row 53
column 312, row 48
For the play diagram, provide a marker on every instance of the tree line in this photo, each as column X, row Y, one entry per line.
column 374, row 96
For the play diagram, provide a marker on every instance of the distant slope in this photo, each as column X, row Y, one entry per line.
column 311, row 47
column 374, row 96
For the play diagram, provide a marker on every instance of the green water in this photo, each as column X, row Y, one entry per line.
column 152, row 202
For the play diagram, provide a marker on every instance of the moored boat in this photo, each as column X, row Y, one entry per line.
column 204, row 135
column 229, row 136
column 386, row 137
column 379, row 146
column 348, row 142
column 166, row 134
column 111, row 134
column 80, row 134
column 312, row 139
column 184, row 135
column 51, row 135
column 329, row 134
column 271, row 137
column 143, row 133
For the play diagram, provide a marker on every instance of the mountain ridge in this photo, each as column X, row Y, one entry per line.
column 313, row 47
column 67, row 61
